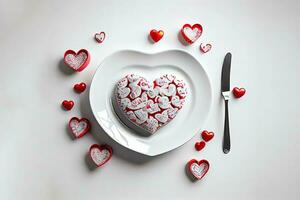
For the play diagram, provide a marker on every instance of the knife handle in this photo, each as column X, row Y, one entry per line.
column 226, row 139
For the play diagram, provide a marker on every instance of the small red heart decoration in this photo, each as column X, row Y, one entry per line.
column 198, row 168
column 205, row 47
column 238, row 92
column 156, row 35
column 99, row 37
column 100, row 154
column 191, row 33
column 68, row 105
column 79, row 127
column 77, row 61
column 80, row 87
column 199, row 145
column 207, row 136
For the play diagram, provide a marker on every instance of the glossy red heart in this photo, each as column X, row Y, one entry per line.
column 205, row 47
column 191, row 33
column 238, row 92
column 100, row 154
column 156, row 35
column 207, row 136
column 68, row 105
column 99, row 37
column 77, row 61
column 79, row 127
column 198, row 168
column 199, row 145
column 80, row 87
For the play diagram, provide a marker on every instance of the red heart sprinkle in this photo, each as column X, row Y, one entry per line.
column 238, row 92
column 199, row 145
column 207, row 136
column 80, row 87
column 68, row 105
column 156, row 35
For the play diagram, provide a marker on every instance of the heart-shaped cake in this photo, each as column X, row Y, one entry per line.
column 147, row 106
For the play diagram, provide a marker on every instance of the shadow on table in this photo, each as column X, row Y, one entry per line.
column 101, row 137
column 62, row 67
column 181, row 39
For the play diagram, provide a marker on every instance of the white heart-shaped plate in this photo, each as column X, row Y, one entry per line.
column 186, row 124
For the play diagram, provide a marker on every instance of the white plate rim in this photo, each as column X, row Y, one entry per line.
column 151, row 54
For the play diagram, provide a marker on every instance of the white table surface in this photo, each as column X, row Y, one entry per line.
column 38, row 159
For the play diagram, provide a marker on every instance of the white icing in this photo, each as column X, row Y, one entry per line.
column 176, row 101
column 124, row 103
column 131, row 115
column 78, row 127
column 151, row 125
column 123, row 92
column 137, row 104
column 163, row 102
column 182, row 91
column 163, row 117
column 123, row 83
column 192, row 34
column 133, row 78
column 179, row 83
column 152, row 93
column 75, row 61
column 144, row 96
column 168, row 91
column 152, row 107
column 162, row 81
column 99, row 157
column 172, row 112
column 141, row 115
column 199, row 170
column 135, row 91
column 144, row 85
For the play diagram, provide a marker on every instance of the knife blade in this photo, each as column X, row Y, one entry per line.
column 225, row 87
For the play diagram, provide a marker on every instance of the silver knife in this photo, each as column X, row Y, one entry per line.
column 225, row 86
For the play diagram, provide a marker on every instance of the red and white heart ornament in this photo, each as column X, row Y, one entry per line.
column 156, row 35
column 99, row 37
column 191, row 33
column 79, row 127
column 204, row 48
column 100, row 154
column 77, row 61
column 198, row 169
